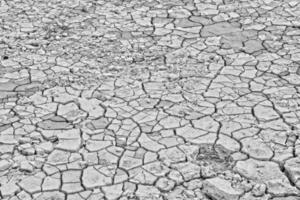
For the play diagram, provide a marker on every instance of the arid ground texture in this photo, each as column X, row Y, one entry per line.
column 149, row 99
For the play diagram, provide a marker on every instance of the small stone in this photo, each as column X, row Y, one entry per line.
column 28, row 151
column 83, row 164
column 259, row 190
column 26, row 166
column 165, row 184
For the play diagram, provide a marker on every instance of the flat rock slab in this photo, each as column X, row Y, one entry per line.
column 293, row 170
column 221, row 28
column 218, row 188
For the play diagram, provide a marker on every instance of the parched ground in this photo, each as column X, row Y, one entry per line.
column 150, row 100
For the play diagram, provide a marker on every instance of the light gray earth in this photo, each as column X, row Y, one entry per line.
column 150, row 100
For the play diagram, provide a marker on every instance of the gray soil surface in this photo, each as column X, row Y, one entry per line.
column 150, row 99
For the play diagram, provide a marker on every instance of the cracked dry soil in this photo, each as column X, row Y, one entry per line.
column 150, row 100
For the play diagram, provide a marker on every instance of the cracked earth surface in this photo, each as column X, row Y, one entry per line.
column 150, row 100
